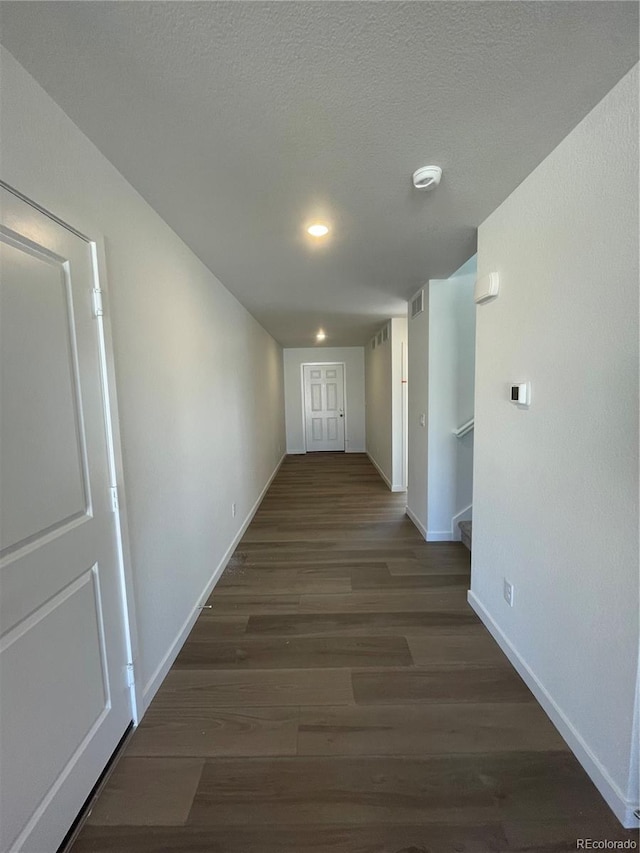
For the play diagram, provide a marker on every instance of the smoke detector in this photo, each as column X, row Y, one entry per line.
column 427, row 178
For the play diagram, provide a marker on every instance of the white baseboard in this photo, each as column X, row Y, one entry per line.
column 392, row 487
column 463, row 515
column 417, row 522
column 151, row 687
column 439, row 536
column 616, row 800
column 296, row 452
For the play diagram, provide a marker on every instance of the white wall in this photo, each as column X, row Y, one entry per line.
column 418, row 386
column 377, row 371
column 452, row 322
column 353, row 359
column 199, row 382
column 556, row 486
column 384, row 404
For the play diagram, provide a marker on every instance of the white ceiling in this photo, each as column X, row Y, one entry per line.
column 241, row 121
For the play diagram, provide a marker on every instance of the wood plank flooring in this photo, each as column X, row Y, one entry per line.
column 341, row 697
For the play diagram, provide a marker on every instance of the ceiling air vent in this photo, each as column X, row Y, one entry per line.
column 417, row 304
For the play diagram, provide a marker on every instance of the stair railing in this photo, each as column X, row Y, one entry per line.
column 464, row 429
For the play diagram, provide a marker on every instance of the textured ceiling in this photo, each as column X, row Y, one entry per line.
column 241, row 121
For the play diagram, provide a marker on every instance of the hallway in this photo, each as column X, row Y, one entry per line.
column 340, row 696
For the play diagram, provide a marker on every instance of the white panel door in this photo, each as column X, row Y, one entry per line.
column 64, row 698
column 324, row 406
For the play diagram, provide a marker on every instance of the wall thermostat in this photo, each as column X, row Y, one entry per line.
column 521, row 394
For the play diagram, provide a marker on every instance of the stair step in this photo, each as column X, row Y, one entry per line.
column 465, row 533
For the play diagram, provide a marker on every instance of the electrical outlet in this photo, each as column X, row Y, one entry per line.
column 233, row 509
column 507, row 591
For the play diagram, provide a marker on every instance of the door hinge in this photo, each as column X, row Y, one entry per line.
column 131, row 678
column 115, row 502
column 98, row 307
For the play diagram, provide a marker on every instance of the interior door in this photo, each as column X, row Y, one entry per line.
column 64, row 697
column 324, row 406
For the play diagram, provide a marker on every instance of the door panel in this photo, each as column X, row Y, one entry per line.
column 332, row 397
column 26, row 719
column 324, row 407
column 43, row 474
column 65, row 700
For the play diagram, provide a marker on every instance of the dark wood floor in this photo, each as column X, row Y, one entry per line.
column 341, row 697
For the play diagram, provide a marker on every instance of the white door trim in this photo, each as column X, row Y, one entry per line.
column 114, row 445
column 344, row 392
column 117, row 470
column 404, row 363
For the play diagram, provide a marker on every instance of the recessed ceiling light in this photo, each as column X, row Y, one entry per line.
column 320, row 336
column 318, row 229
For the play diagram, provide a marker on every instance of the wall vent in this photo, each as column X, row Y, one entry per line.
column 385, row 333
column 379, row 338
column 417, row 304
